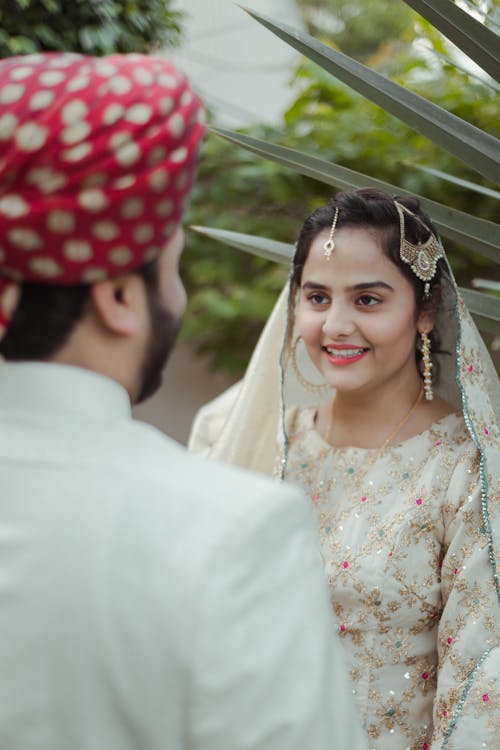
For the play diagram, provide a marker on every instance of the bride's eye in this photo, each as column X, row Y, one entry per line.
column 318, row 299
column 367, row 300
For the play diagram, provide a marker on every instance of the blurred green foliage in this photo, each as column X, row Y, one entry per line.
column 358, row 28
column 231, row 293
column 95, row 27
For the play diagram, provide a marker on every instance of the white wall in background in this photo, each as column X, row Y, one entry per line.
column 241, row 69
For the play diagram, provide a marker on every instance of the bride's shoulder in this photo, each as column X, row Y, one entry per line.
column 448, row 425
column 435, row 413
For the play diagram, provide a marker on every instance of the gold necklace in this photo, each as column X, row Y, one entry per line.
column 373, row 459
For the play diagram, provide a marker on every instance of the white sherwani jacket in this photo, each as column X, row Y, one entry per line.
column 149, row 598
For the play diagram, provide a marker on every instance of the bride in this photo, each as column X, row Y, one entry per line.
column 372, row 390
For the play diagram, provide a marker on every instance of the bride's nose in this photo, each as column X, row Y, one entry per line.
column 338, row 322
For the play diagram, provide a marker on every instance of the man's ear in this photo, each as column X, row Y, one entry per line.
column 116, row 303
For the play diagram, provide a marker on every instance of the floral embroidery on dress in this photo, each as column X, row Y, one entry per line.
column 406, row 559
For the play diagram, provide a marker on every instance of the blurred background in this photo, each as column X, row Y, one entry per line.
column 243, row 75
column 253, row 82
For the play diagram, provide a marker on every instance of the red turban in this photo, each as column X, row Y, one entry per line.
column 97, row 159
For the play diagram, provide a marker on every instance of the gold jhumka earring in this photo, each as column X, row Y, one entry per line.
column 426, row 358
column 329, row 245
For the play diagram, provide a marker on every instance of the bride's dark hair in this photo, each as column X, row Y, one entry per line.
column 375, row 211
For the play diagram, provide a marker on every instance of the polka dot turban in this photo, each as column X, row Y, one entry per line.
column 97, row 158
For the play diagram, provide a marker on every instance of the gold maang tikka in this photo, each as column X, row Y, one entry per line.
column 329, row 245
column 421, row 258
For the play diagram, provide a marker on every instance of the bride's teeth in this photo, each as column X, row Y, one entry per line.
column 345, row 352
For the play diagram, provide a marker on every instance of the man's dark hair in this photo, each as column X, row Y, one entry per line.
column 47, row 314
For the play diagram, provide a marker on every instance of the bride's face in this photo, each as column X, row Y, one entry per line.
column 357, row 313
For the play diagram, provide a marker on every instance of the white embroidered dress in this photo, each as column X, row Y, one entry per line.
column 409, row 575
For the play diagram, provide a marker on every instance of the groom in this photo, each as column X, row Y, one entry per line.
column 148, row 598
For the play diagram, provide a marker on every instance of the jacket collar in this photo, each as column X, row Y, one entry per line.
column 61, row 390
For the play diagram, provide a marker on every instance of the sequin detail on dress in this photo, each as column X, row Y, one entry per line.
column 408, row 568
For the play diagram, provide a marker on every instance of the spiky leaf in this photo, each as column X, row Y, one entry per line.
column 476, row 234
column 469, row 144
column 472, row 37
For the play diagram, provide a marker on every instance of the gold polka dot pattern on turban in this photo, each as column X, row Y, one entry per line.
column 97, row 159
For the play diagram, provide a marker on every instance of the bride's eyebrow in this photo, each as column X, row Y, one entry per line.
column 369, row 285
column 315, row 285
column 355, row 288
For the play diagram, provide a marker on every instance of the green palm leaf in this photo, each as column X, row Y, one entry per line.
column 485, row 308
column 279, row 252
column 469, row 144
column 492, row 23
column 493, row 286
column 467, row 184
column 472, row 37
column 477, row 234
column 481, row 78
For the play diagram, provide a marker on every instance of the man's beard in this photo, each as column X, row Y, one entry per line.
column 164, row 329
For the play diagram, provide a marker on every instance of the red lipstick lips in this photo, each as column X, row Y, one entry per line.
column 341, row 355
